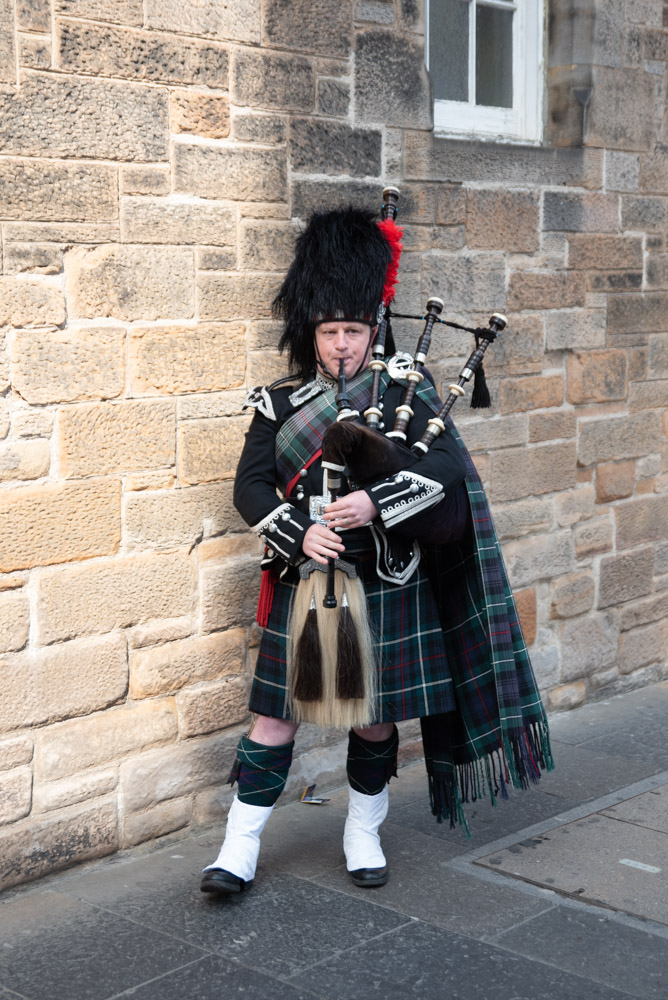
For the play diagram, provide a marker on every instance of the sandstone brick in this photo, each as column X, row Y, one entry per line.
column 113, row 594
column 130, row 283
column 502, row 220
column 171, row 772
column 209, row 449
column 268, row 130
column 33, row 848
column 556, row 290
column 229, row 593
column 614, row 480
column 618, row 437
column 572, row 595
column 211, row 404
column 15, row 794
column 592, row 537
column 119, row 11
column 146, row 220
column 546, row 663
column 236, row 296
column 168, row 667
column 68, row 791
column 69, row 747
column 70, row 364
column 644, row 212
column 116, row 437
column 539, row 557
column 568, row 696
column 106, row 50
column 551, row 426
column 648, row 395
column 76, row 678
column 7, row 43
column 641, row 646
column 14, row 621
column 588, row 644
column 465, row 278
column 484, row 434
column 642, row 520
column 234, row 174
column 155, row 633
column 144, row 180
column 33, row 15
column 322, row 26
column 215, row 258
column 43, row 525
column 602, row 282
column 570, row 329
column 525, row 601
column 622, row 170
column 50, row 116
column 235, row 20
column 15, row 751
column 574, row 505
column 13, row 581
column 22, row 460
column 222, row 547
column 67, row 232
column 625, row 577
column 266, row 246
column 580, row 213
column 596, row 376
column 166, row 519
column 178, row 359
column 271, row 81
column 162, row 819
column 264, row 369
column 656, row 271
column 609, row 123
column 390, row 73
column 333, row 97
column 532, row 393
column 605, row 252
column 30, row 303
column 310, row 196
column 202, row 114
column 32, row 422
column 518, row 472
column 27, row 258
column 523, row 517
column 520, row 351
column 644, row 313
column 654, row 608
column 318, row 146
column 4, row 418
column 213, row 706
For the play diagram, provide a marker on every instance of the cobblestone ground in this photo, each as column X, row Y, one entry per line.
column 559, row 893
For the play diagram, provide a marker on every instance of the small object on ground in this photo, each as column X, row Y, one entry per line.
column 310, row 798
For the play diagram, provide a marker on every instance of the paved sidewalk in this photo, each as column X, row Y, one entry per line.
column 560, row 893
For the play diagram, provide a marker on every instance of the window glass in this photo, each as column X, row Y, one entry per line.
column 494, row 57
column 449, row 50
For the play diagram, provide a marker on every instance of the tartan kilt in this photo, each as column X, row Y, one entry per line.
column 414, row 676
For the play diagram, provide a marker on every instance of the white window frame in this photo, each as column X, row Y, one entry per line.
column 524, row 121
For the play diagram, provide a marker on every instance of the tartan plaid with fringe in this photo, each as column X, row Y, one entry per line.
column 496, row 735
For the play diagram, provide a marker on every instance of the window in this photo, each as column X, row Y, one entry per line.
column 485, row 60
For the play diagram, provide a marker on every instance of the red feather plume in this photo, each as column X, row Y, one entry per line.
column 393, row 234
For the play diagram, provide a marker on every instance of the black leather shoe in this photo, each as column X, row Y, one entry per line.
column 367, row 878
column 219, row 880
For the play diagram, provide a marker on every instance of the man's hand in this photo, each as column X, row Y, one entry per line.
column 351, row 511
column 320, row 543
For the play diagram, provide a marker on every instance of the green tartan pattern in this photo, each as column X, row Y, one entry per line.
column 498, row 734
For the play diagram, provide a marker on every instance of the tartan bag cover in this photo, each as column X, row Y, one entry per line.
column 498, row 735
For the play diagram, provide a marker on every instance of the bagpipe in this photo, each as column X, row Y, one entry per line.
column 332, row 668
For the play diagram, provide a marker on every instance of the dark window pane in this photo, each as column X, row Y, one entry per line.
column 449, row 49
column 494, row 57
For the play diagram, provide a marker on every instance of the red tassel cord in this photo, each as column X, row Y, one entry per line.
column 266, row 598
column 393, row 234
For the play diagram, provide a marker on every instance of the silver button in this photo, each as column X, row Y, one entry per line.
column 414, row 488
column 303, row 472
column 272, row 527
column 285, row 516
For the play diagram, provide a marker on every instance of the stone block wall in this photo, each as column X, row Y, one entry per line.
column 156, row 159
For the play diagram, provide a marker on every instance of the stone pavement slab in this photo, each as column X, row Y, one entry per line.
column 590, row 944
column 136, row 926
column 589, row 859
column 432, row 964
column 649, row 810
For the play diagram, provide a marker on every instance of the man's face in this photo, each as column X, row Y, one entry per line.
column 342, row 339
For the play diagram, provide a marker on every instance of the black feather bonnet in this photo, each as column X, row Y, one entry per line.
column 338, row 272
